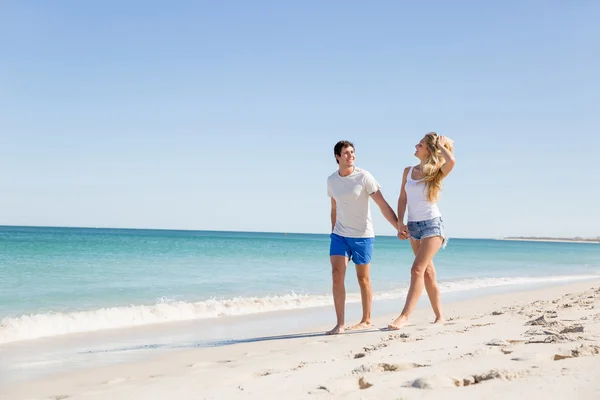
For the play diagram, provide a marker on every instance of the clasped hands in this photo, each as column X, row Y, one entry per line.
column 402, row 231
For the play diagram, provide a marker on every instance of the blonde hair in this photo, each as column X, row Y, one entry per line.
column 432, row 173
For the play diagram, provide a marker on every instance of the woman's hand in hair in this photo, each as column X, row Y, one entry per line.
column 443, row 141
column 446, row 146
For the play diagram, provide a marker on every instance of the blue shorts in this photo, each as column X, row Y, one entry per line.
column 359, row 250
column 422, row 229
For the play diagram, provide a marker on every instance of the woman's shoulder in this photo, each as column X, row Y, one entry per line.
column 407, row 169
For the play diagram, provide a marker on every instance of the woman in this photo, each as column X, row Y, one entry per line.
column 419, row 192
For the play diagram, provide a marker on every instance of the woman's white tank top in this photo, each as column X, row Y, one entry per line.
column 419, row 207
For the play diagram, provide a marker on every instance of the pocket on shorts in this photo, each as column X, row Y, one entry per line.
column 413, row 230
column 433, row 227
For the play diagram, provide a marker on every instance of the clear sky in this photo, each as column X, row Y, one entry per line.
column 223, row 115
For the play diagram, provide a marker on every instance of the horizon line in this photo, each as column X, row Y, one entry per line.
column 523, row 238
column 196, row 230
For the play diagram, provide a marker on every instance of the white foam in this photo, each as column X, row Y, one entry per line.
column 477, row 283
column 50, row 324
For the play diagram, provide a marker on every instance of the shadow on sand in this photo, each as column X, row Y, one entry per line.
column 228, row 342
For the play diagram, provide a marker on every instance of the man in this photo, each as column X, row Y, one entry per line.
column 352, row 237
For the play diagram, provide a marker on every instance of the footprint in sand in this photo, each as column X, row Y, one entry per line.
column 553, row 339
column 467, row 328
column 552, row 331
column 201, row 364
column 300, row 366
column 477, row 353
column 404, row 337
column 443, row 381
column 539, row 303
column 573, row 329
column 373, row 347
column 528, row 356
column 584, row 350
column 320, row 389
column 117, row 381
column 481, row 325
column 386, row 367
column 498, row 342
column 433, row 382
column 542, row 320
column 256, row 353
column 516, row 341
column 363, row 384
column 396, row 336
column 266, row 372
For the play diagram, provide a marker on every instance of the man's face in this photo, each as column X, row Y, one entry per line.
column 346, row 159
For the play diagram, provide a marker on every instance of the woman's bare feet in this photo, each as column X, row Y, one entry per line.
column 439, row 321
column 336, row 330
column 360, row 325
column 400, row 322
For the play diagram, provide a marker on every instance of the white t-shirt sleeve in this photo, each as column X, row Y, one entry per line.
column 329, row 193
column 371, row 185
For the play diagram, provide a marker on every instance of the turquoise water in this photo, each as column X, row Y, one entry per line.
column 60, row 280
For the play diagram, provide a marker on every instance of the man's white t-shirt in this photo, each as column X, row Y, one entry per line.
column 352, row 194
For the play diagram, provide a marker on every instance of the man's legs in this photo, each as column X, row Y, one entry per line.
column 338, row 274
column 366, row 295
column 362, row 252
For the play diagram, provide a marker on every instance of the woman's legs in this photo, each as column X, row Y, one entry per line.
column 431, row 286
column 425, row 251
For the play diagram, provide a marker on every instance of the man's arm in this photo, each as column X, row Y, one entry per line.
column 333, row 211
column 385, row 208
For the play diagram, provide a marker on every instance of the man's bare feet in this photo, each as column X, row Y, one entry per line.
column 400, row 322
column 336, row 330
column 360, row 325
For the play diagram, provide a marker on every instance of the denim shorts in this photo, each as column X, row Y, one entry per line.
column 432, row 227
column 359, row 250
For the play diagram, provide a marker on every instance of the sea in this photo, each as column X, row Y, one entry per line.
column 58, row 282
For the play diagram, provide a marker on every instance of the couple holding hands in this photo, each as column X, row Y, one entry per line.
column 352, row 237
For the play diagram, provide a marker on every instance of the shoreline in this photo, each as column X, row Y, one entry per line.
column 111, row 319
column 301, row 361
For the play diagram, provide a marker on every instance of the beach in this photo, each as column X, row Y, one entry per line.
column 541, row 342
column 158, row 314
column 192, row 191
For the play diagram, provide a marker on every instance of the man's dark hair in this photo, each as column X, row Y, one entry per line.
column 337, row 150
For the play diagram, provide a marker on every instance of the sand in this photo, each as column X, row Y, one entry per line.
column 543, row 343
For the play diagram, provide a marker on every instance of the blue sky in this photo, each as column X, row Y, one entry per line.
column 206, row 115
